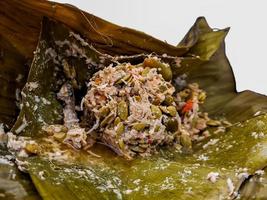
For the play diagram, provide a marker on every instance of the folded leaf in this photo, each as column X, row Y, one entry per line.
column 217, row 79
column 170, row 175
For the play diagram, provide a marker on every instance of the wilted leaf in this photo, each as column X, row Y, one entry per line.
column 217, row 79
column 39, row 102
column 166, row 176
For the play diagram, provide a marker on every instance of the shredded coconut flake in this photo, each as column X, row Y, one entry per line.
column 257, row 113
column 22, row 165
column 52, row 54
column 213, row 176
column 37, row 99
column 259, row 172
column 5, row 161
column 13, row 143
column 211, row 142
column 128, row 191
column 230, row 186
column 41, row 175
column 79, row 38
column 32, row 85
column 45, row 101
column 257, row 135
column 23, row 125
column 202, row 157
column 243, row 175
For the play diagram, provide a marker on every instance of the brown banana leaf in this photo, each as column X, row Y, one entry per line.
column 20, row 26
column 168, row 175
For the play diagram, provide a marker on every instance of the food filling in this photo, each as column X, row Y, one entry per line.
column 134, row 110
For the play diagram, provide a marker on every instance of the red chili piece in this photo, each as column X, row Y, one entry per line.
column 188, row 106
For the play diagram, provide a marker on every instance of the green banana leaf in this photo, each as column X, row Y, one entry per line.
column 13, row 183
column 169, row 175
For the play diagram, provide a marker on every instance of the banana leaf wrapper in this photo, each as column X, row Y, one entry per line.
column 165, row 176
column 13, row 183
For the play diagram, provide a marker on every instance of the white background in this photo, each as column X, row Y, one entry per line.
column 169, row 20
